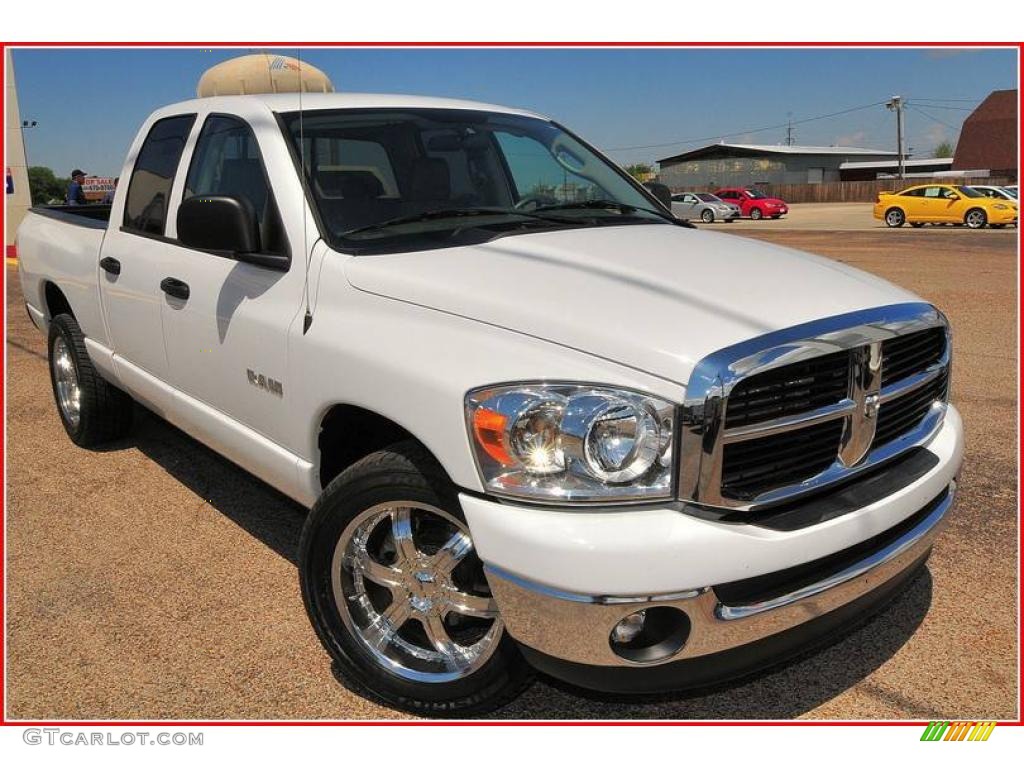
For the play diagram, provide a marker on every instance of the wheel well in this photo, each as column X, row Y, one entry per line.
column 348, row 433
column 56, row 302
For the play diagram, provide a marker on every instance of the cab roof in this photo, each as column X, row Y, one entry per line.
column 290, row 102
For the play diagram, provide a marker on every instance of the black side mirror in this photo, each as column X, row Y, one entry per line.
column 226, row 224
column 661, row 192
column 218, row 223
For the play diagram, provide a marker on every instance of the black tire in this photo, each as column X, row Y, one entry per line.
column 403, row 471
column 104, row 411
column 756, row 214
column 975, row 218
column 895, row 217
column 707, row 216
column 917, row 224
column 997, row 226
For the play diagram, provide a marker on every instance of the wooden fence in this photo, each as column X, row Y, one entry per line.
column 849, row 191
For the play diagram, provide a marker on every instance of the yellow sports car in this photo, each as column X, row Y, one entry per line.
column 943, row 204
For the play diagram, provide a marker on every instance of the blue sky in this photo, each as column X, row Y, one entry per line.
column 89, row 103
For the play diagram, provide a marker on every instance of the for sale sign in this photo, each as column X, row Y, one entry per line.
column 95, row 187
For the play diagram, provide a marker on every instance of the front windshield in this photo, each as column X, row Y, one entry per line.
column 708, row 198
column 1010, row 191
column 970, row 192
column 435, row 177
column 755, row 195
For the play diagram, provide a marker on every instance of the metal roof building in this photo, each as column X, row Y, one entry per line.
column 734, row 165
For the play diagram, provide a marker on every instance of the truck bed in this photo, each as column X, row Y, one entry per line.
column 94, row 216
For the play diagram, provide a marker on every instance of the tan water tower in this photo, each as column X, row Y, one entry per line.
column 262, row 73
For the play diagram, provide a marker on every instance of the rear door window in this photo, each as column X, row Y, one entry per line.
column 149, row 190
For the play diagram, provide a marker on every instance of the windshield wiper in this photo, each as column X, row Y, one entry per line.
column 612, row 205
column 452, row 213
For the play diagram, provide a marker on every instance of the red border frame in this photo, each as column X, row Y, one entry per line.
column 4, row 722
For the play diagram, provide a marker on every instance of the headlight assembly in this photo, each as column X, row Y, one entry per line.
column 572, row 442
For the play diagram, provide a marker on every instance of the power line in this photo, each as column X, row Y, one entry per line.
column 941, row 106
column 933, row 118
column 749, row 130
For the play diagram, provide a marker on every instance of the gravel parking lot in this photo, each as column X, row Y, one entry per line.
column 153, row 579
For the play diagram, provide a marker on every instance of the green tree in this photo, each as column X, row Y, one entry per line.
column 45, row 186
column 640, row 171
column 944, row 149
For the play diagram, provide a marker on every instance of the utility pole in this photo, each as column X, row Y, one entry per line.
column 895, row 104
column 789, row 129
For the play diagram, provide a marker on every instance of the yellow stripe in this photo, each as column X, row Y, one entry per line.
column 12, row 262
column 978, row 728
column 988, row 730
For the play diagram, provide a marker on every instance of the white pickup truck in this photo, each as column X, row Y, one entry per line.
column 541, row 423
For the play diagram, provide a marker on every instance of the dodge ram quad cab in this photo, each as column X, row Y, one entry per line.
column 541, row 424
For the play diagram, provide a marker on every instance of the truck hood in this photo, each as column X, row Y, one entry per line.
column 654, row 297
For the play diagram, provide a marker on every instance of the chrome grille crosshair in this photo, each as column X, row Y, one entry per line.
column 912, row 338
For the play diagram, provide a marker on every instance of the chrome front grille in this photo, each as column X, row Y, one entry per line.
column 801, row 408
column 789, row 390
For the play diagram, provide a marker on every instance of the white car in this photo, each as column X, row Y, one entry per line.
column 997, row 193
column 540, row 423
column 703, row 206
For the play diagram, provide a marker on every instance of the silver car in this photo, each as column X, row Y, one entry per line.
column 703, row 206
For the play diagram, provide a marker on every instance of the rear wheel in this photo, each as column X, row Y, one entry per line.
column 756, row 214
column 397, row 595
column 92, row 410
column 895, row 217
column 707, row 216
column 975, row 218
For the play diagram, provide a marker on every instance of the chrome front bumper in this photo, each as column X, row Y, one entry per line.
column 576, row 628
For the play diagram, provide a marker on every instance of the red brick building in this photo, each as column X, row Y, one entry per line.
column 988, row 139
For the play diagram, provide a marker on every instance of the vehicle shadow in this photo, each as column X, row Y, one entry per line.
column 783, row 693
column 248, row 502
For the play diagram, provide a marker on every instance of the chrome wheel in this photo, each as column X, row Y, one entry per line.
column 975, row 219
column 65, row 375
column 894, row 217
column 410, row 589
column 707, row 216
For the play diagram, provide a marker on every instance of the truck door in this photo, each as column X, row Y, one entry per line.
column 133, row 258
column 226, row 322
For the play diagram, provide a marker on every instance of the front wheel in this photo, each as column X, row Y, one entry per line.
column 975, row 219
column 397, row 594
column 756, row 214
column 707, row 216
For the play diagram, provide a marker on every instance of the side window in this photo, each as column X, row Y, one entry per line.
column 919, row 192
column 933, row 192
column 227, row 162
column 149, row 190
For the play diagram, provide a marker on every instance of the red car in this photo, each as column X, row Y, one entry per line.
column 754, row 204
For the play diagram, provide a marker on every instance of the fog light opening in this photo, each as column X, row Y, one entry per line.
column 650, row 635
